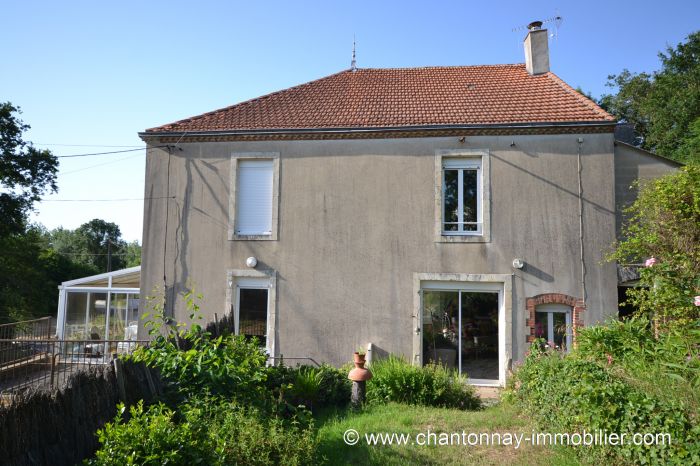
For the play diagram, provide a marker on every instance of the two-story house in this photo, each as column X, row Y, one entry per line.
column 447, row 214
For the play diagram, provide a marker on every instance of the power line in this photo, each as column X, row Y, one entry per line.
column 99, row 165
column 100, row 153
column 78, row 145
column 109, row 200
column 88, row 254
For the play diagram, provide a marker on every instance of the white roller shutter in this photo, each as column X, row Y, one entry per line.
column 254, row 201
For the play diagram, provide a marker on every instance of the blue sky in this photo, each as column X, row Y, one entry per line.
column 96, row 73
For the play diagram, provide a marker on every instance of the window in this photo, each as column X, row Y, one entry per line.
column 254, row 215
column 461, row 197
column 254, row 196
column 251, row 297
column 553, row 323
column 251, row 318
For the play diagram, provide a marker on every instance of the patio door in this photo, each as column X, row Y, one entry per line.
column 251, row 309
column 463, row 329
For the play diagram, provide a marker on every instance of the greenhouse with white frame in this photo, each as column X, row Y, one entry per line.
column 100, row 307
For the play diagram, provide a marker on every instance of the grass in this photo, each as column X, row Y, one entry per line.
column 399, row 418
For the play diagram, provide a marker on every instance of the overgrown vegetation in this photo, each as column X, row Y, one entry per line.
column 205, row 431
column 432, row 385
column 663, row 231
column 587, row 390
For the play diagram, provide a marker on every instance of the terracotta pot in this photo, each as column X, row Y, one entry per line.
column 359, row 373
column 357, row 358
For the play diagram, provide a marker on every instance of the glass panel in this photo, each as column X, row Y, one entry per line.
column 559, row 322
column 480, row 335
column 75, row 323
column 117, row 316
column 440, row 326
column 541, row 325
column 469, row 191
column 97, row 316
column 450, row 199
column 252, row 313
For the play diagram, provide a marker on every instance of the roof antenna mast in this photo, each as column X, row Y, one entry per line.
column 353, row 63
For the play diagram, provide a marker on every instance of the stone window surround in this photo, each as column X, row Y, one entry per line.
column 505, row 279
column 485, row 235
column 233, row 194
column 577, row 309
column 271, row 275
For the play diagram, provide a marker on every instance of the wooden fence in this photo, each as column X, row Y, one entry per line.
column 57, row 427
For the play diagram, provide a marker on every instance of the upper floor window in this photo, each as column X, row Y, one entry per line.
column 254, row 196
column 461, row 196
column 254, row 213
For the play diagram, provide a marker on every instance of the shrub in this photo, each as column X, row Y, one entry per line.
column 205, row 431
column 321, row 387
column 571, row 394
column 194, row 362
column 394, row 379
column 664, row 224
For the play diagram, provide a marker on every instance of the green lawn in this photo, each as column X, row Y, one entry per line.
column 412, row 420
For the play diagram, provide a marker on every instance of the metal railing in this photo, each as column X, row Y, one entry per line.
column 47, row 363
column 27, row 329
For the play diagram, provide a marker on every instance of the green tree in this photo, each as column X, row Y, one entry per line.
column 31, row 272
column 94, row 244
column 26, row 173
column 664, row 224
column 664, row 105
column 133, row 254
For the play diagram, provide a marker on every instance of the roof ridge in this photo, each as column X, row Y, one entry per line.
column 438, row 67
column 579, row 96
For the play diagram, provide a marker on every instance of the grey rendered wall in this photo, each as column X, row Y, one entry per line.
column 635, row 164
column 356, row 221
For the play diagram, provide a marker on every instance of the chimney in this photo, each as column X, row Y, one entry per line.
column 536, row 49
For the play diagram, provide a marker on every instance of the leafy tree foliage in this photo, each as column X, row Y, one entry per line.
column 25, row 172
column 30, row 273
column 92, row 243
column 664, row 106
column 35, row 262
column 664, row 224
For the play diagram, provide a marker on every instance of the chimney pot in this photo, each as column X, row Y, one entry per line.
column 536, row 46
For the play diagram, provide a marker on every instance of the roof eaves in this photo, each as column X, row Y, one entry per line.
column 374, row 129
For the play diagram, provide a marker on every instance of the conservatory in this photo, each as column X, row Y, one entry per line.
column 101, row 307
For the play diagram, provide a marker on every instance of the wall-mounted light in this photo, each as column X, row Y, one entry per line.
column 251, row 262
column 518, row 263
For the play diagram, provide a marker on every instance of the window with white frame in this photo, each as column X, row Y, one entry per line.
column 461, row 196
column 553, row 323
column 254, row 197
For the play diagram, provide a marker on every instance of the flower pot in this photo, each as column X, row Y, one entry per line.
column 358, row 358
column 359, row 373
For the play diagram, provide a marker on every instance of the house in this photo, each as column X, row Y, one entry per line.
column 447, row 214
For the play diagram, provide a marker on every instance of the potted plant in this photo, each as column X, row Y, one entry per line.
column 359, row 356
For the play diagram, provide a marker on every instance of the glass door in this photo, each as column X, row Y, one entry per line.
column 251, row 309
column 461, row 331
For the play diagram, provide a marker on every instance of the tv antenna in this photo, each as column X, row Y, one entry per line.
column 556, row 20
column 353, row 63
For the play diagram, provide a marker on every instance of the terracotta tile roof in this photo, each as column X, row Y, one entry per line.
column 376, row 98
